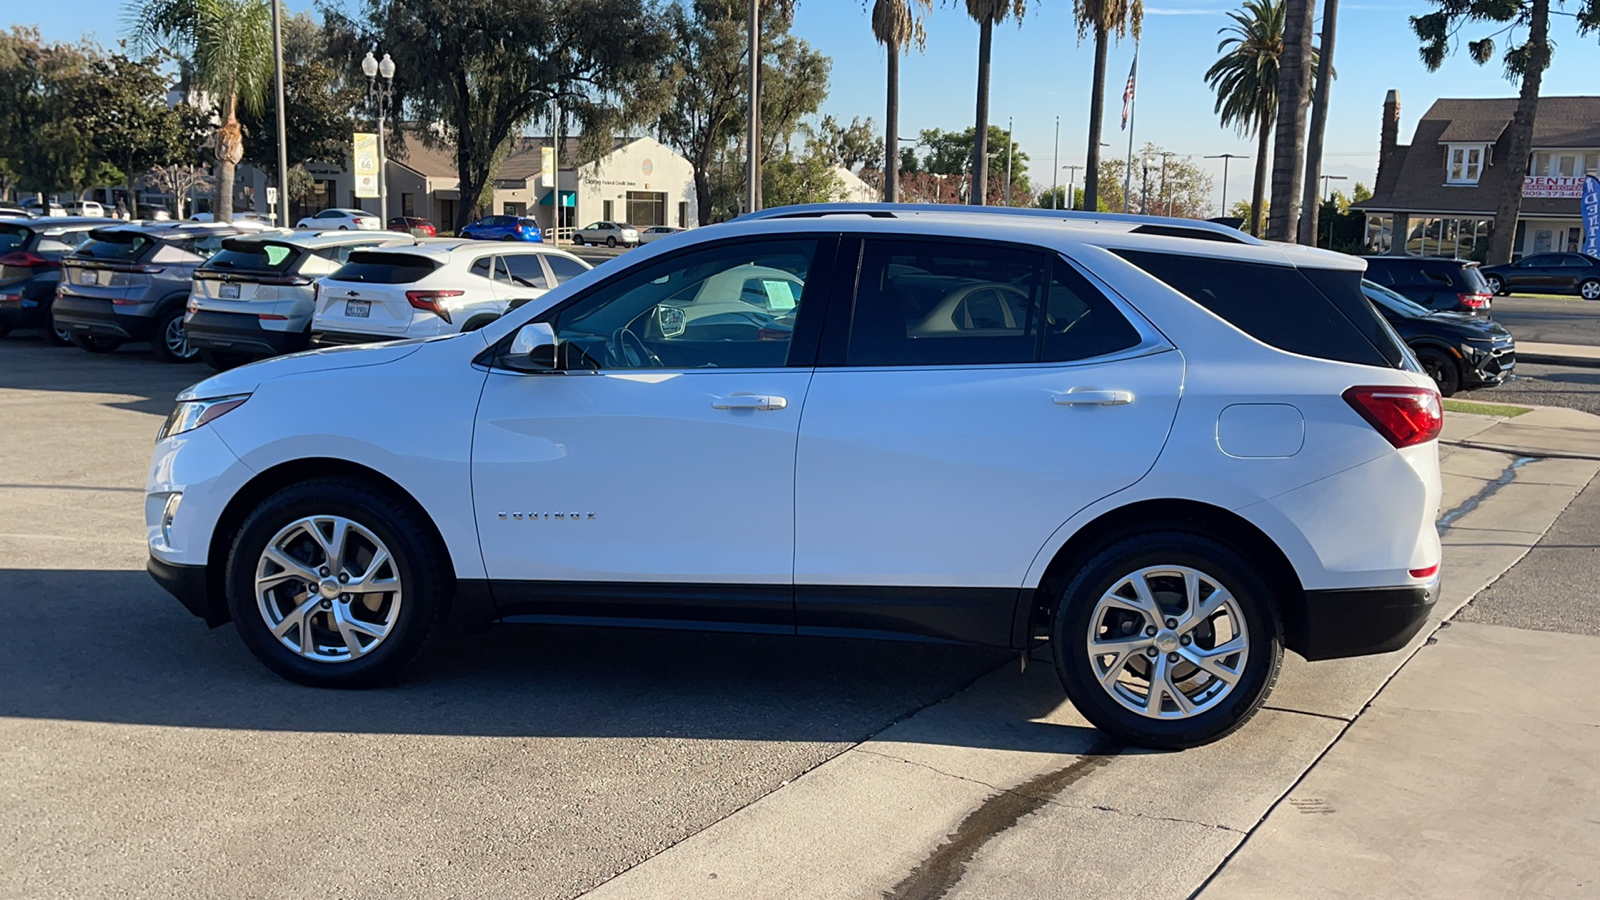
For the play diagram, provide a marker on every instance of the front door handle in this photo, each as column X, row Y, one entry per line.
column 750, row 401
column 1094, row 398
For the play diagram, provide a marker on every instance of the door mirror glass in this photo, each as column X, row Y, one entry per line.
column 533, row 349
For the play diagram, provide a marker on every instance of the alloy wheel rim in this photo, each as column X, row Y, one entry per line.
column 62, row 333
column 1168, row 642
column 328, row 589
column 1591, row 290
column 177, row 339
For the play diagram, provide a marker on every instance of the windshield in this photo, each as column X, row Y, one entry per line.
column 253, row 256
column 118, row 246
column 1395, row 303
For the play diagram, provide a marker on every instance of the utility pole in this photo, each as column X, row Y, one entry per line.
column 1055, row 165
column 1166, row 155
column 1144, row 186
column 1225, row 157
column 752, row 193
column 283, row 129
column 1008, row 161
column 1072, row 185
column 555, row 176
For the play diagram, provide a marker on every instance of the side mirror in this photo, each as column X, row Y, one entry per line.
column 533, row 349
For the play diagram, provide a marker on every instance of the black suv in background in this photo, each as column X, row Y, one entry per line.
column 31, row 251
column 1547, row 273
column 1459, row 352
column 1437, row 283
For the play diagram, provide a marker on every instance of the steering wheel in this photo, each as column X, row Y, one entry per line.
column 631, row 350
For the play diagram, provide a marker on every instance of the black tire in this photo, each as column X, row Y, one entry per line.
column 1589, row 289
column 508, row 238
column 52, row 333
column 168, row 349
column 1075, row 607
column 95, row 343
column 577, row 240
column 1496, row 286
column 425, row 581
column 611, row 241
column 222, row 361
column 1441, row 368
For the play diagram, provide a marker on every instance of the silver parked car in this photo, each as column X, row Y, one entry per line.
column 609, row 233
column 255, row 297
column 658, row 232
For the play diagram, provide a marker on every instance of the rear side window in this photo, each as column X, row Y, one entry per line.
column 565, row 269
column 1476, row 283
column 384, row 268
column 116, row 246
column 1313, row 312
column 1079, row 322
column 523, row 270
column 13, row 238
column 253, row 256
column 929, row 303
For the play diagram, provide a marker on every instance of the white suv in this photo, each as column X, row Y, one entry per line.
column 1169, row 448
column 434, row 286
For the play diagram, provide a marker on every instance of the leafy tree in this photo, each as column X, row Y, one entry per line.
column 318, row 94
column 896, row 25
column 952, row 152
column 475, row 73
column 1245, row 80
column 1526, row 61
column 790, row 179
column 986, row 13
column 132, row 125
column 227, row 45
column 44, row 144
column 1057, row 198
column 1105, row 18
column 794, row 82
column 1289, row 140
column 179, row 181
column 1186, row 194
column 854, row 145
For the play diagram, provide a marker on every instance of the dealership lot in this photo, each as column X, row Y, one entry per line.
column 146, row 755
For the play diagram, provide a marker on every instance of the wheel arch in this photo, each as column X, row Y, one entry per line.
column 1191, row 516
column 282, row 475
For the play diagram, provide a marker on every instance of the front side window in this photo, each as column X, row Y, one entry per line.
column 693, row 311
column 926, row 302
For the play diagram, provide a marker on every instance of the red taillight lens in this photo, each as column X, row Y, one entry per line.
column 24, row 259
column 1426, row 571
column 1474, row 301
column 429, row 301
column 272, row 317
column 1403, row 415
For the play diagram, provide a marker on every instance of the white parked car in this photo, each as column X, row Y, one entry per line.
column 433, row 286
column 611, row 234
column 87, row 208
column 658, row 232
column 341, row 220
column 938, row 422
column 256, row 296
column 243, row 215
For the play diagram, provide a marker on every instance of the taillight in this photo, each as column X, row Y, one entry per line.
column 1405, row 416
column 1474, row 301
column 1425, row 572
column 283, row 280
column 24, row 259
column 429, row 301
column 271, row 317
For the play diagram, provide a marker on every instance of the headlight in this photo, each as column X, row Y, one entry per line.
column 191, row 414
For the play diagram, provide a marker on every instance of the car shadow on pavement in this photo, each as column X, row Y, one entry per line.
column 29, row 364
column 110, row 646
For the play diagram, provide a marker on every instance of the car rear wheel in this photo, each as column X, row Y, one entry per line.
column 95, row 343
column 1442, row 369
column 577, row 240
column 1590, row 290
column 171, row 340
column 1167, row 640
column 611, row 241
column 333, row 584
column 53, row 333
column 1496, row 286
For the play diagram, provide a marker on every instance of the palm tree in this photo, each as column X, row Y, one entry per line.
column 1289, row 138
column 1105, row 18
column 1245, row 79
column 986, row 12
column 228, row 47
column 895, row 25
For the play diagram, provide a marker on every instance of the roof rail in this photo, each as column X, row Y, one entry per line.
column 1162, row 225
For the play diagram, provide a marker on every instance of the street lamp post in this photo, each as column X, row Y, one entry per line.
column 1226, row 158
column 380, row 91
column 1055, row 164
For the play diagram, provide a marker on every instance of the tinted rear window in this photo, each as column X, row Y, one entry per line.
column 116, row 246
column 384, row 268
column 1313, row 312
column 254, row 256
column 13, row 237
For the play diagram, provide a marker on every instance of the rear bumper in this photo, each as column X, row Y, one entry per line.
column 1360, row 621
column 97, row 317
column 240, row 333
column 23, row 307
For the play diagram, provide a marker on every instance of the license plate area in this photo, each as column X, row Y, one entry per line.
column 358, row 309
column 228, row 292
column 89, row 276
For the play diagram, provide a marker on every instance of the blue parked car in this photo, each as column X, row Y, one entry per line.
column 503, row 228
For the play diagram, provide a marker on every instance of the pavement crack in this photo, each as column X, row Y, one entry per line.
column 1316, row 715
column 935, row 769
column 1487, row 491
column 1139, row 815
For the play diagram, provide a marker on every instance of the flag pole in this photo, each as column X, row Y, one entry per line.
column 1133, row 100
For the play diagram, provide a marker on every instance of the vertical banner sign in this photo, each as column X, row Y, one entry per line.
column 366, row 167
column 1591, row 216
column 547, row 166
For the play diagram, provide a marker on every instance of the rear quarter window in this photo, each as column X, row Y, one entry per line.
column 384, row 268
column 122, row 246
column 1313, row 312
column 13, row 238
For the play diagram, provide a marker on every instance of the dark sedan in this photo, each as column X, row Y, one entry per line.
column 1459, row 352
column 1547, row 273
column 31, row 251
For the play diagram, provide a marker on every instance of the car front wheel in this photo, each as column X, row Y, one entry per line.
column 1590, row 290
column 333, row 584
column 1167, row 640
column 611, row 241
column 1442, row 369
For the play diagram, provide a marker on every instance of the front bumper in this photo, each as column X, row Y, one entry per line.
column 1492, row 365
column 241, row 333
column 1360, row 621
column 99, row 318
column 188, row 584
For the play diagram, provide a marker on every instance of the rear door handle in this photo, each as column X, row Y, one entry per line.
column 1094, row 398
column 750, row 401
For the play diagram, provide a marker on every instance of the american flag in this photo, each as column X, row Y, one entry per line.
column 1127, row 93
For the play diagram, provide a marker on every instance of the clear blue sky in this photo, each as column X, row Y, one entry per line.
column 1040, row 72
